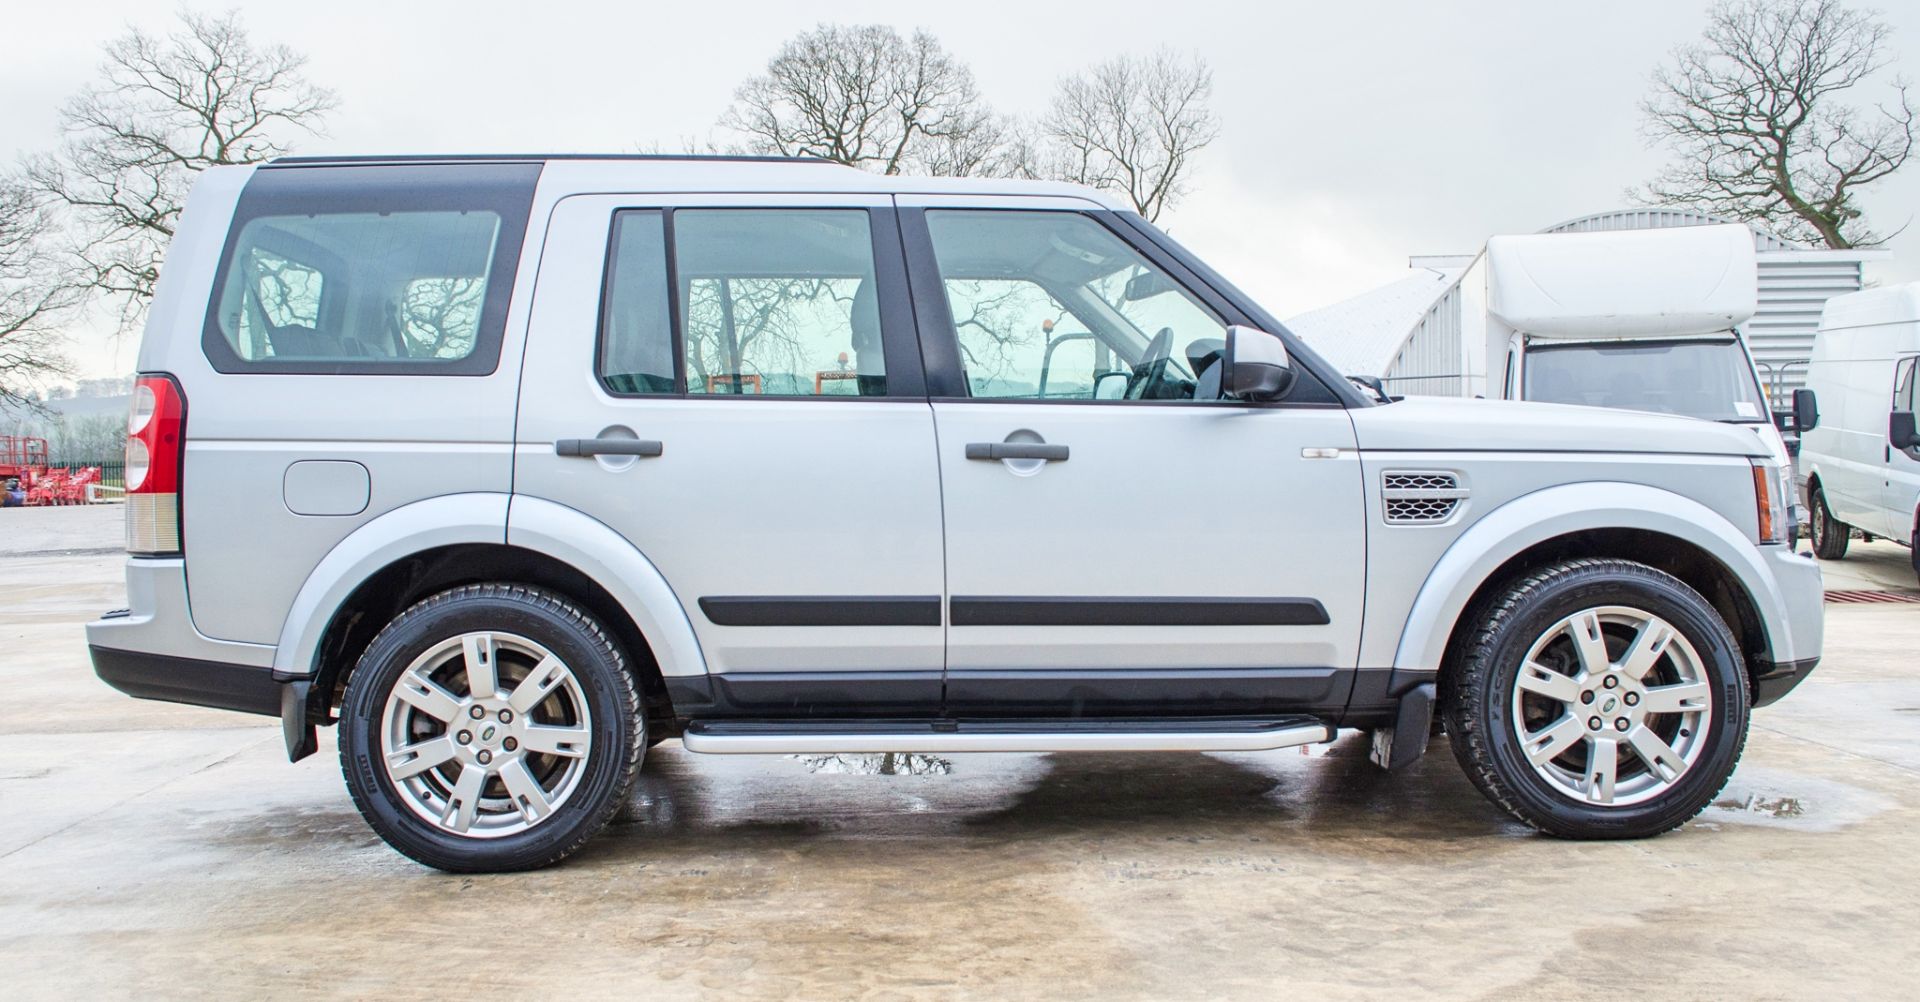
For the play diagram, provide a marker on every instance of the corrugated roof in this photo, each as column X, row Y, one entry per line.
column 1365, row 333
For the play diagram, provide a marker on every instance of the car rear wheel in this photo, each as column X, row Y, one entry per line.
column 1827, row 534
column 1599, row 699
column 491, row 727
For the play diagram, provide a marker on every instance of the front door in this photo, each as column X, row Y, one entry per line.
column 1901, row 474
column 1120, row 539
column 734, row 386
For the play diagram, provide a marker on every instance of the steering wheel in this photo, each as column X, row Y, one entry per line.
column 1149, row 380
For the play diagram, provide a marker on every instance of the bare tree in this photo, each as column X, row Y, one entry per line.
column 864, row 96
column 34, row 298
column 165, row 109
column 1132, row 126
column 1753, row 114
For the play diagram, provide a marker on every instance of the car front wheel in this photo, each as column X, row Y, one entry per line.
column 491, row 727
column 1599, row 699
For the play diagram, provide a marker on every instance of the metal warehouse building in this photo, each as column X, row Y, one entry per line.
column 1425, row 334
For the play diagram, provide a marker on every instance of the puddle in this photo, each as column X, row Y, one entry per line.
column 1770, row 798
column 882, row 764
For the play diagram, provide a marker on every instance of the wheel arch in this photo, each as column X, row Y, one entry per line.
column 1664, row 530
column 429, row 546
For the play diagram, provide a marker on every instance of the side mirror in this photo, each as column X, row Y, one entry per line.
column 1806, row 411
column 1254, row 366
column 1901, row 431
column 1111, row 385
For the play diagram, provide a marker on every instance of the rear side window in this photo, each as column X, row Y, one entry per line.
column 769, row 302
column 401, row 270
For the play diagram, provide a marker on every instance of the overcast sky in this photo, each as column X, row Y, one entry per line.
column 1353, row 134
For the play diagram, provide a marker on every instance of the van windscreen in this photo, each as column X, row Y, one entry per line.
column 1708, row 379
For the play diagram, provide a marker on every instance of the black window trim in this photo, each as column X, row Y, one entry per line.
column 385, row 188
column 899, row 344
column 946, row 375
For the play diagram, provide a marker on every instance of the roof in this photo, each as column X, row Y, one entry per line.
column 1654, row 219
column 1894, row 304
column 658, row 173
column 1364, row 334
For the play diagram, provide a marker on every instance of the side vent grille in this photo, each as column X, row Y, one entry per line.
column 1419, row 498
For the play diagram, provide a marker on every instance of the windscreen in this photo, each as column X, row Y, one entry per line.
column 1702, row 379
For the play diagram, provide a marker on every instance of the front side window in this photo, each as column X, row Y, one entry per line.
column 1051, row 305
column 771, row 302
column 1903, row 386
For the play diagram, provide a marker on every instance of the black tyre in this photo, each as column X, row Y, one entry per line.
column 1598, row 699
column 1827, row 535
column 491, row 727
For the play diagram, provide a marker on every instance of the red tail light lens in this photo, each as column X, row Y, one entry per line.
column 156, row 441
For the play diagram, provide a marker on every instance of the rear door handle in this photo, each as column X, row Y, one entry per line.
column 1043, row 451
column 606, row 447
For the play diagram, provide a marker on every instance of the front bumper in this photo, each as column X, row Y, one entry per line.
column 1796, row 630
column 1773, row 680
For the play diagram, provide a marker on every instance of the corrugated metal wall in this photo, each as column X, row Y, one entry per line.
column 1792, row 292
column 1429, row 365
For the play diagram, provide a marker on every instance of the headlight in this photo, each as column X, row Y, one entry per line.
column 1770, row 502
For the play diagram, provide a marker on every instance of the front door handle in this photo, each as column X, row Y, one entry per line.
column 1046, row 452
column 607, row 447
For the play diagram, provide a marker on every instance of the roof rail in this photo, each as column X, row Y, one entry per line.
column 494, row 158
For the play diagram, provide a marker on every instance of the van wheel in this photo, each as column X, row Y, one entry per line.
column 491, row 727
column 1599, row 699
column 1827, row 534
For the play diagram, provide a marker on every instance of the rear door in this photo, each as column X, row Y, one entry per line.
column 732, row 383
column 1143, row 546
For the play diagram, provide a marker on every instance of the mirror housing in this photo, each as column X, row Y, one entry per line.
column 1806, row 411
column 1901, row 432
column 1254, row 366
column 1111, row 385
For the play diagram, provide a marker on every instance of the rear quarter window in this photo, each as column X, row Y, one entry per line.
column 370, row 269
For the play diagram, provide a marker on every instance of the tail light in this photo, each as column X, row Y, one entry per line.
column 156, row 442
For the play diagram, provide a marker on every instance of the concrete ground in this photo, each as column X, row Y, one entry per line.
column 167, row 851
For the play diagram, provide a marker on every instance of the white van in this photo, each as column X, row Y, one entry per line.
column 1645, row 320
column 1862, row 460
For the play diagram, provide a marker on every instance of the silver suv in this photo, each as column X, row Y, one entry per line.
column 512, row 467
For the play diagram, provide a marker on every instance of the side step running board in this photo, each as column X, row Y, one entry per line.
column 828, row 737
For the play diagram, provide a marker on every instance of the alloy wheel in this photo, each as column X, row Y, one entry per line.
column 1612, row 706
column 485, row 734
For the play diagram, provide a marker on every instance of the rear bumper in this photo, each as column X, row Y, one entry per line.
column 222, row 686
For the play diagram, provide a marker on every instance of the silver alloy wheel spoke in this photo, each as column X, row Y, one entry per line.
column 423, row 694
column 1546, row 745
column 1657, row 754
column 1685, row 697
column 546, row 675
column 412, row 760
column 1578, row 711
column 1648, row 645
column 525, row 791
column 1543, row 681
column 1603, row 766
column 483, row 680
column 464, row 802
column 546, row 739
column 1589, row 644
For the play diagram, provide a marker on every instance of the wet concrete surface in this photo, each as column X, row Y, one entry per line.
column 169, row 851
